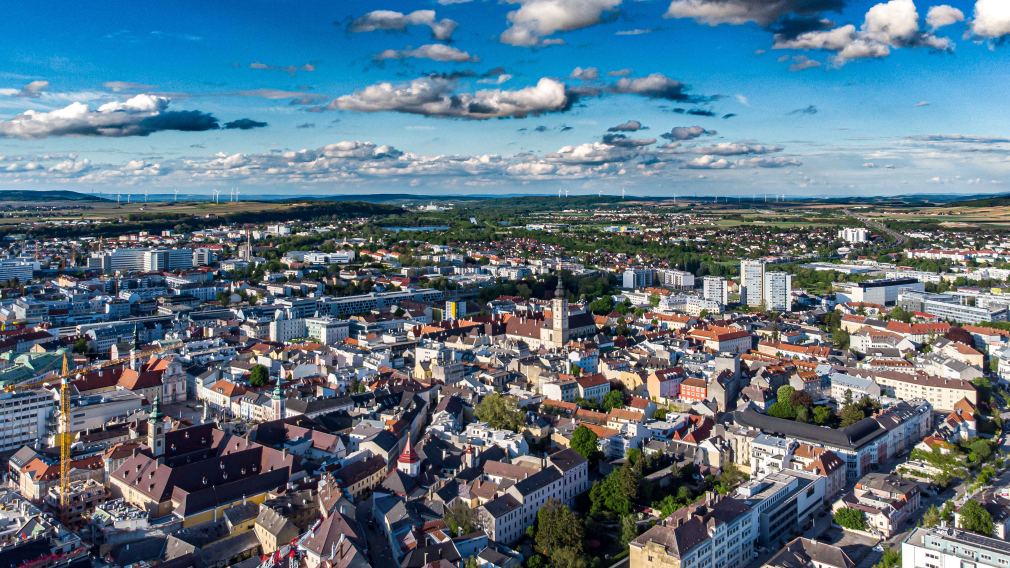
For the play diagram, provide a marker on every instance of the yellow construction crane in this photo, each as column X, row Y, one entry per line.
column 64, row 434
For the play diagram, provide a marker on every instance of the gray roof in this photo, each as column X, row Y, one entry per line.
column 851, row 437
column 805, row 553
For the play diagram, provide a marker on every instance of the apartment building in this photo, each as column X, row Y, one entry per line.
column 710, row 533
column 752, row 277
column 715, row 289
column 953, row 548
column 506, row 517
column 778, row 291
column 24, row 418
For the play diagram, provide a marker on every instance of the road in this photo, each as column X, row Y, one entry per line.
column 899, row 239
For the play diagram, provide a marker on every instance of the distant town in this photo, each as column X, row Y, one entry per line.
column 538, row 382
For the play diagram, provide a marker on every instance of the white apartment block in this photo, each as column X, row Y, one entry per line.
column 327, row 330
column 778, row 291
column 714, row 289
column 752, row 277
column 854, row 235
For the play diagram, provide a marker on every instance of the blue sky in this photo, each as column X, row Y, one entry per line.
column 725, row 97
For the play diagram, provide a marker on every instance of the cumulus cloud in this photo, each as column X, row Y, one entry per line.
column 656, row 85
column 622, row 140
column 762, row 12
column 680, row 133
column 590, row 153
column 943, row 15
column 629, row 126
column 802, row 63
column 289, row 69
column 33, row 90
column 498, row 80
column 738, row 149
column 390, row 20
column 243, row 124
column 120, row 86
column 140, row 115
column 708, row 162
column 538, row 18
column 887, row 25
column 432, row 51
column 435, row 96
column 992, row 19
column 586, row 74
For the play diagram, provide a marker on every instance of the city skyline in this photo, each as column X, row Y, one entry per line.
column 667, row 97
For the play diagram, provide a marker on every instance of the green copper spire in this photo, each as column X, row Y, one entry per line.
column 156, row 414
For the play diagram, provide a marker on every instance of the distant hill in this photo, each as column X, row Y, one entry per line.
column 1001, row 200
column 43, row 196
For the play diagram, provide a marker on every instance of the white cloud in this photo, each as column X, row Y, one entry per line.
column 707, row 162
column 501, row 78
column 763, row 12
column 992, row 18
column 390, row 20
column 433, row 51
column 680, row 133
column 538, row 18
column 886, row 25
column 738, row 149
column 433, row 96
column 943, row 15
column 138, row 116
column 586, row 74
column 656, row 85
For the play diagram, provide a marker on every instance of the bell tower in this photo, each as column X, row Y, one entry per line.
column 559, row 316
column 156, row 430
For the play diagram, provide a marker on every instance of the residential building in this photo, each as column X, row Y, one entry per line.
column 778, row 291
column 752, row 279
column 715, row 289
column 711, row 533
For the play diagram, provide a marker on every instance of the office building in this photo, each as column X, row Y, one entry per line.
column 953, row 548
column 950, row 307
column 778, row 291
column 327, row 330
column 883, row 291
column 752, row 277
column 141, row 260
column 24, row 418
column 714, row 289
column 16, row 269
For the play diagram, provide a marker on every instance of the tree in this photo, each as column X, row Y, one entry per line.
column 931, row 517
column 501, row 412
column 613, row 399
column 81, row 345
column 890, row 559
column 460, row 518
column 616, row 493
column 973, row 517
column 782, row 409
column 823, row 415
column 850, row 518
column 629, row 529
column 851, row 413
column 584, row 441
column 785, row 394
column 557, row 528
column 979, row 451
column 259, row 376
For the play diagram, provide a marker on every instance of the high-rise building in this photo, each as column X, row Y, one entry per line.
column 714, row 289
column 141, row 260
column 854, row 235
column 752, row 276
column 778, row 291
column 634, row 278
column 24, row 418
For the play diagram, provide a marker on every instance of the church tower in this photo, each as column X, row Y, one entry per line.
column 409, row 463
column 277, row 400
column 559, row 316
column 156, row 430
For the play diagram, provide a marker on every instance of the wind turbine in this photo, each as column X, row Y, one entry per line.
column 145, row 195
column 176, row 197
column 623, row 190
column 217, row 196
column 119, row 196
column 236, row 194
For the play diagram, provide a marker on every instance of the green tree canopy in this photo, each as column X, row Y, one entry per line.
column 973, row 517
column 259, row 376
column 584, row 441
column 557, row 528
column 850, row 518
column 501, row 412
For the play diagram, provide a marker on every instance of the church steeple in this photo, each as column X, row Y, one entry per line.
column 409, row 463
column 559, row 316
column 156, row 430
column 278, row 400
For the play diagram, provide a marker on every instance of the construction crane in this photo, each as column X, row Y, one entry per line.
column 64, row 434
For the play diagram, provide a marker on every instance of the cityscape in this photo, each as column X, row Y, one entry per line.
column 526, row 284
